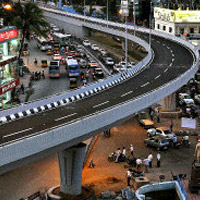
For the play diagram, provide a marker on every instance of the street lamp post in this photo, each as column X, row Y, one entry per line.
column 107, row 12
column 84, row 9
column 134, row 18
column 150, row 25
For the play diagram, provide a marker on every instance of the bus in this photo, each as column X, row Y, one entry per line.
column 63, row 39
column 72, row 68
column 54, row 69
column 43, row 44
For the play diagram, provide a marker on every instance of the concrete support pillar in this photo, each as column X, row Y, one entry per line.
column 71, row 165
column 169, row 102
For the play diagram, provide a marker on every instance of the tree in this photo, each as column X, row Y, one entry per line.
column 28, row 18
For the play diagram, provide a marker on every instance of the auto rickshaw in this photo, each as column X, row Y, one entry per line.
column 49, row 52
column 73, row 83
column 44, row 63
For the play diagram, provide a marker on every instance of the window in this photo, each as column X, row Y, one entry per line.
column 164, row 28
column 181, row 31
column 158, row 26
column 191, row 30
column 170, row 29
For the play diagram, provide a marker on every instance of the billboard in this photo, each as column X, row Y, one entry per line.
column 177, row 16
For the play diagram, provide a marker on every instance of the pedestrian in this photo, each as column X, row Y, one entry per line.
column 151, row 114
column 30, row 84
column 36, row 75
column 22, row 88
column 118, row 153
column 150, row 157
column 158, row 159
column 124, row 152
column 158, row 117
column 171, row 126
column 131, row 149
column 175, row 140
column 146, row 164
column 39, row 75
column 138, row 165
column 35, row 61
column 43, row 76
column 91, row 164
column 128, row 175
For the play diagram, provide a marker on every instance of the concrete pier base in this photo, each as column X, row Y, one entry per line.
column 71, row 165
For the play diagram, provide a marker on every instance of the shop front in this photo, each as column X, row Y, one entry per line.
column 9, row 48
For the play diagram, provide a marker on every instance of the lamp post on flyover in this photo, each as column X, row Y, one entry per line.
column 150, row 25
column 107, row 13
column 84, row 9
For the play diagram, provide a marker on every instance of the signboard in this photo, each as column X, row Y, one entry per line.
column 188, row 123
column 8, row 35
column 177, row 16
column 124, row 8
column 9, row 86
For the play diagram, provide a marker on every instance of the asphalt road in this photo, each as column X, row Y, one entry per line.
column 171, row 60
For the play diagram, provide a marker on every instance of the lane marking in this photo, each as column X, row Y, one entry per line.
column 145, row 84
column 67, row 116
column 164, row 44
column 168, row 47
column 172, row 55
column 18, row 132
column 166, row 70
column 171, row 51
column 98, row 105
column 157, row 76
column 172, row 59
column 171, row 64
column 125, row 94
column 158, row 41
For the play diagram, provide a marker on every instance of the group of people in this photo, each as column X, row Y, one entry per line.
column 37, row 75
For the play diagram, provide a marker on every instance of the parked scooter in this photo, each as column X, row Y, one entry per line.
column 185, row 141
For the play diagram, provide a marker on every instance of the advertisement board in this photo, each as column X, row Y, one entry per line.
column 9, row 86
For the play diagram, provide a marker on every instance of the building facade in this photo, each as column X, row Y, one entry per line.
column 9, row 48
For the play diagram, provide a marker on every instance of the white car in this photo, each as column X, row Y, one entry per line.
column 86, row 43
column 123, row 64
column 95, row 47
column 109, row 61
column 103, row 52
column 161, row 131
column 185, row 98
column 92, row 64
column 57, row 57
column 118, row 68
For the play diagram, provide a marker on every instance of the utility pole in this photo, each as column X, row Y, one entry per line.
column 150, row 25
column 107, row 13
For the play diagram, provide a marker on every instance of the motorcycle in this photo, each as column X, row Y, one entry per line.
column 185, row 141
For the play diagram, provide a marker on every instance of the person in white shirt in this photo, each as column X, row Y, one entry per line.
column 131, row 149
column 158, row 159
column 118, row 152
column 150, row 157
column 128, row 175
column 138, row 165
column 124, row 152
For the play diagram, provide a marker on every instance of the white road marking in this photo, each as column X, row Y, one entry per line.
column 171, row 51
column 168, row 47
column 172, row 55
column 157, row 76
column 125, row 94
column 172, row 59
column 18, row 132
column 166, row 70
column 164, row 44
column 145, row 84
column 67, row 116
column 100, row 104
column 171, row 64
column 158, row 42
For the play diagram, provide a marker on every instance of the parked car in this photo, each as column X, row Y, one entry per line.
column 86, row 43
column 95, row 47
column 109, row 61
column 185, row 99
column 160, row 143
column 145, row 121
column 118, row 68
column 197, row 98
column 99, row 73
column 161, row 131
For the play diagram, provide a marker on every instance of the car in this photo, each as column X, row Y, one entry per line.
column 160, row 143
column 185, row 99
column 83, row 63
column 161, row 131
column 123, row 64
column 92, row 64
column 103, row 52
column 197, row 98
column 69, row 58
column 145, row 121
column 79, row 48
column 49, row 52
column 57, row 57
column 118, row 68
column 99, row 73
column 86, row 43
column 109, row 61
column 95, row 47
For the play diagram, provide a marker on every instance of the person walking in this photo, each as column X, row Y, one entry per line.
column 128, row 176
column 150, row 157
column 171, row 125
column 158, row 116
column 138, row 165
column 22, row 88
column 43, row 76
column 132, row 149
column 118, row 153
column 158, row 159
column 146, row 164
column 124, row 152
column 35, row 61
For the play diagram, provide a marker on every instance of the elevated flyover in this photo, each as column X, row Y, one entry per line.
column 43, row 127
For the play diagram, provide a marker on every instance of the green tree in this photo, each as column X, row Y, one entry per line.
column 28, row 18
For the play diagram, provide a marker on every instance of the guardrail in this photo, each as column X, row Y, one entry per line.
column 17, row 112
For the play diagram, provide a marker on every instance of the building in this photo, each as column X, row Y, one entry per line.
column 178, row 22
column 9, row 48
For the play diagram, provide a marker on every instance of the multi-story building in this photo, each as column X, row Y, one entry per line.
column 9, row 45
